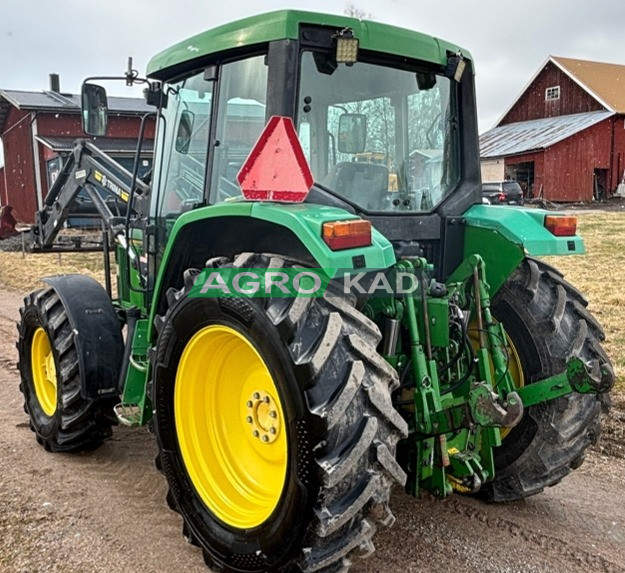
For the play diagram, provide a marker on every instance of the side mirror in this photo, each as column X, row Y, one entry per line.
column 94, row 109
column 185, row 129
column 352, row 133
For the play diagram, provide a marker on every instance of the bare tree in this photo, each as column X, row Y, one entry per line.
column 351, row 10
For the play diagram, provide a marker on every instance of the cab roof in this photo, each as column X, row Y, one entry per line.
column 285, row 24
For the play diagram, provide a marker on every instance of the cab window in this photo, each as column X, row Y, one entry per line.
column 186, row 121
column 240, row 121
column 380, row 137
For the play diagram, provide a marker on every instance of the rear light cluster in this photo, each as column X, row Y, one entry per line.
column 561, row 226
column 347, row 234
column 502, row 197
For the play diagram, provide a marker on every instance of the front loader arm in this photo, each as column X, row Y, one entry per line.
column 90, row 169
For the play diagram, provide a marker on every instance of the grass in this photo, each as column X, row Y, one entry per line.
column 23, row 273
column 599, row 274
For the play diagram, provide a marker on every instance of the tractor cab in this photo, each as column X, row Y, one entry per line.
column 351, row 90
column 354, row 90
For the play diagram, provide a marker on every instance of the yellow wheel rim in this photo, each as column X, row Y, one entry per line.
column 515, row 368
column 44, row 371
column 230, row 427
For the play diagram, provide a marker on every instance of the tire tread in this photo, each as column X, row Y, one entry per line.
column 562, row 327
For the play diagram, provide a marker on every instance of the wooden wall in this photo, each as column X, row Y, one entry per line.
column 18, row 165
column 532, row 104
column 3, row 196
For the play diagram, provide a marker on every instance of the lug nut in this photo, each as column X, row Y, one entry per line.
column 249, row 404
column 265, row 438
column 272, row 430
column 273, row 414
column 256, row 396
column 266, row 400
column 255, row 433
column 249, row 419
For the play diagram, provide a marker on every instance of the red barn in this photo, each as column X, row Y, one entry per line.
column 2, row 186
column 38, row 130
column 563, row 138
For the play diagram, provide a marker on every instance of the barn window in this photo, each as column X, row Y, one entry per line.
column 552, row 94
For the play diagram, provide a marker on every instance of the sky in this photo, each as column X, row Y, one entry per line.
column 508, row 41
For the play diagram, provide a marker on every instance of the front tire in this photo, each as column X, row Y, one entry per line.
column 548, row 322
column 336, row 429
column 61, row 417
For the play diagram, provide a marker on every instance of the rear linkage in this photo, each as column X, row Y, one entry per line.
column 457, row 390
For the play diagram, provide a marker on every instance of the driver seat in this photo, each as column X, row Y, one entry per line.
column 365, row 184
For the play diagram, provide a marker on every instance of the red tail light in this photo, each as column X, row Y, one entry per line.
column 561, row 226
column 502, row 197
column 347, row 234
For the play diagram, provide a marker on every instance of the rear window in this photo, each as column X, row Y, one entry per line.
column 512, row 186
column 490, row 187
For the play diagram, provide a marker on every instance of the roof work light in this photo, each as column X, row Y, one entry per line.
column 346, row 47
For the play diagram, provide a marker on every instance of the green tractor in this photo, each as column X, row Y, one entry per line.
column 438, row 353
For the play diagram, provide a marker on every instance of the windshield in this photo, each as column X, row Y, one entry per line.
column 383, row 138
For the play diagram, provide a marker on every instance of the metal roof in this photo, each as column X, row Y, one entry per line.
column 526, row 136
column 55, row 102
column 247, row 108
column 428, row 153
column 285, row 24
column 107, row 144
column 63, row 103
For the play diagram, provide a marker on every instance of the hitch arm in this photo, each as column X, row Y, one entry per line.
column 576, row 378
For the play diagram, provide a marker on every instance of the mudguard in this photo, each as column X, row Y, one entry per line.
column 504, row 236
column 303, row 220
column 97, row 333
column 525, row 228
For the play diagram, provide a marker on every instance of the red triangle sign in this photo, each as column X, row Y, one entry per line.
column 276, row 168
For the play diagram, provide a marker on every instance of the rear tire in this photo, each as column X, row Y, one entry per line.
column 62, row 419
column 548, row 322
column 341, row 427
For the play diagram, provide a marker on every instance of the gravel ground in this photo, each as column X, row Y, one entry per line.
column 14, row 244
column 104, row 511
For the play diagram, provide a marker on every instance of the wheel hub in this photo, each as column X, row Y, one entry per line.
column 230, row 426
column 44, row 372
column 262, row 417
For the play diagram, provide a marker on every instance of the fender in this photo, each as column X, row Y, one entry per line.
column 97, row 333
column 503, row 236
column 302, row 222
